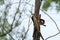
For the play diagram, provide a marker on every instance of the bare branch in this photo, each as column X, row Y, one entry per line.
column 54, row 23
column 52, row 36
column 51, row 19
column 27, row 29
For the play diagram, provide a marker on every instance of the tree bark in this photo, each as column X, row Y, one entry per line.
column 36, row 20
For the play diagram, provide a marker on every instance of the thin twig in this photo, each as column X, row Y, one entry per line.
column 51, row 19
column 55, row 24
column 4, row 24
column 16, row 13
column 27, row 29
column 52, row 35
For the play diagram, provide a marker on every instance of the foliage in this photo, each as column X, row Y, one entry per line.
column 17, row 23
column 1, row 2
column 5, row 27
column 47, row 3
column 3, row 38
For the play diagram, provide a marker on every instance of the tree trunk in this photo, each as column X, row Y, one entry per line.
column 36, row 20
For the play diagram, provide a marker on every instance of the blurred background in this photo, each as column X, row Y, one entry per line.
column 16, row 23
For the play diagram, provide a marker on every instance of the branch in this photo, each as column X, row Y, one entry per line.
column 52, row 36
column 51, row 19
column 27, row 29
column 54, row 23
column 16, row 13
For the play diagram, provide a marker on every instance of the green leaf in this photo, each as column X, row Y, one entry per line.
column 16, row 23
column 0, row 19
column 46, row 5
column 5, row 13
column 1, row 2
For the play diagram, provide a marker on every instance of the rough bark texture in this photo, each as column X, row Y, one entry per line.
column 37, row 6
column 36, row 20
column 36, row 33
